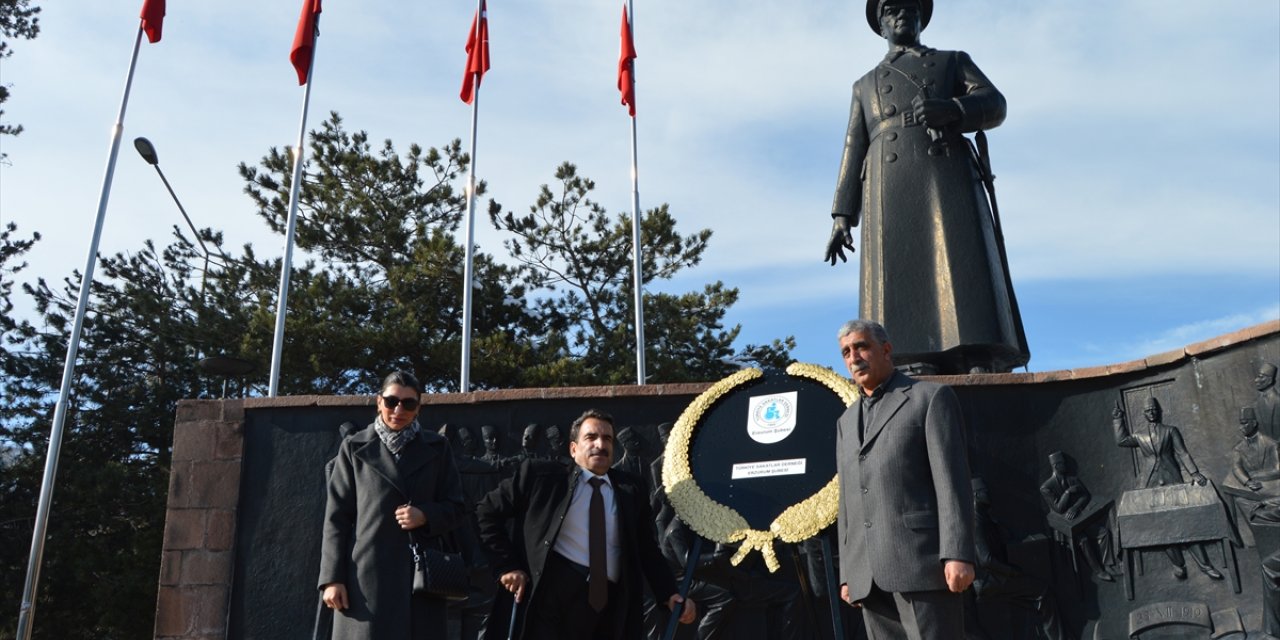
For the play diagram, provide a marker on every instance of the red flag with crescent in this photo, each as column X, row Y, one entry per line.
column 304, row 39
column 477, row 54
column 152, row 19
column 626, row 65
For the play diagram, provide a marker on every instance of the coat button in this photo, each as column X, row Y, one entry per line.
column 867, row 524
column 891, row 109
column 546, row 543
column 891, row 136
column 862, row 456
column 864, row 491
column 886, row 88
column 884, row 73
column 891, row 157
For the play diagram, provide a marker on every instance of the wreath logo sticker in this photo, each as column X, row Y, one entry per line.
column 771, row 418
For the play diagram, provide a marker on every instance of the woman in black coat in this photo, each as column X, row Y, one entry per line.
column 391, row 481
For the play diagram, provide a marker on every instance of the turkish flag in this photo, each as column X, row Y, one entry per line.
column 152, row 19
column 626, row 65
column 304, row 40
column 477, row 54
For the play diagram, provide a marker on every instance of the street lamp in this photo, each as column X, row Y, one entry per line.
column 148, row 153
column 222, row 366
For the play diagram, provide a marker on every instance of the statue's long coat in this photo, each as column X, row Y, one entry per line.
column 931, row 270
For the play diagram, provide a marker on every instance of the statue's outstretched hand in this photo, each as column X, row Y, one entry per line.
column 841, row 239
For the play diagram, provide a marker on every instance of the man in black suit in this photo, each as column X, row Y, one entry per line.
column 583, row 542
column 906, row 515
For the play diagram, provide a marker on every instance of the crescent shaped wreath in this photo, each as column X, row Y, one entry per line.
column 723, row 524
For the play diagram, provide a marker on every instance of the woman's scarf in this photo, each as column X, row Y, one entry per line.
column 395, row 440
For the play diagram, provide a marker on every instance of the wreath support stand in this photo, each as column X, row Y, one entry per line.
column 833, row 588
column 690, row 565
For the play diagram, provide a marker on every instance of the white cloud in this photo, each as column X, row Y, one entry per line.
column 1192, row 332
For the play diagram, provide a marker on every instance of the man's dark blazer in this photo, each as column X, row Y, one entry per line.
column 905, row 501
column 536, row 500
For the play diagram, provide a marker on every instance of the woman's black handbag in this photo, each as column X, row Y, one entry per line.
column 438, row 574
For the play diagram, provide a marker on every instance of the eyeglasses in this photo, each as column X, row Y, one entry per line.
column 391, row 402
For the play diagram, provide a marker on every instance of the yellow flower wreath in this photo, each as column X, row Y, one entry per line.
column 722, row 524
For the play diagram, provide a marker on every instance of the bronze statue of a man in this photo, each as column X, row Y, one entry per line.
column 932, row 263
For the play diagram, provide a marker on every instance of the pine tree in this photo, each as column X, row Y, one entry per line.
column 576, row 262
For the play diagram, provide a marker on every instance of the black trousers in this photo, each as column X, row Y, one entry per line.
column 560, row 610
column 913, row 615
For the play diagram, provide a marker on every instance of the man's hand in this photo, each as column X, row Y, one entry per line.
column 959, row 575
column 689, row 612
column 844, row 595
column 1072, row 513
column 515, row 582
column 1199, row 478
column 335, row 596
column 841, row 239
column 936, row 113
column 1253, row 485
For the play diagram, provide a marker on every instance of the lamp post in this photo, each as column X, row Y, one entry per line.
column 148, row 153
column 222, row 366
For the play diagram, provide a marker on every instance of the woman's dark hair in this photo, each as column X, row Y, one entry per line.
column 402, row 378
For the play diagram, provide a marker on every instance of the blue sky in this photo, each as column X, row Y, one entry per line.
column 1138, row 170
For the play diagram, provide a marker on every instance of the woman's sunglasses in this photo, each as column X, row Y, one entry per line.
column 391, row 402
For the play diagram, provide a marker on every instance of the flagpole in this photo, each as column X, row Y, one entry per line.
column 282, row 304
column 464, row 384
column 25, row 613
column 636, row 263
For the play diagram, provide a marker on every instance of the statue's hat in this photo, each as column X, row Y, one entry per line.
column 1151, row 403
column 1057, row 456
column 1247, row 414
column 876, row 7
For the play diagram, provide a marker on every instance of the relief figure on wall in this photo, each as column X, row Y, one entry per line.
column 1255, row 460
column 1268, row 404
column 1165, row 457
column 1067, row 496
column 1000, row 581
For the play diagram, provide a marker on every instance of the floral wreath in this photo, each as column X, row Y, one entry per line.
column 723, row 524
